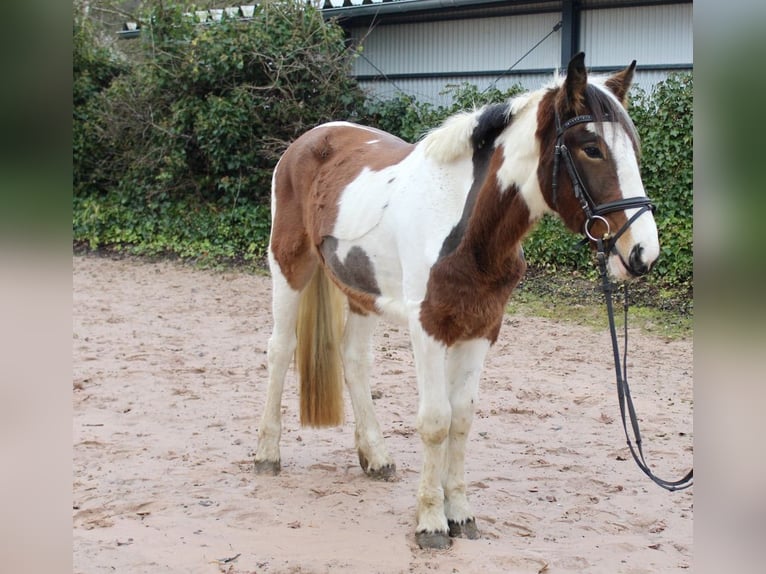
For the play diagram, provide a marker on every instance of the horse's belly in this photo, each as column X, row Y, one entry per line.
column 390, row 229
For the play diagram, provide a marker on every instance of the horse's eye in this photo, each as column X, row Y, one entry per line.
column 593, row 152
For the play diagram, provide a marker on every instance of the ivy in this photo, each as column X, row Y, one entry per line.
column 189, row 229
column 664, row 118
column 410, row 119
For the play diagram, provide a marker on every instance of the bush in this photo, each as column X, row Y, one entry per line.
column 192, row 230
column 175, row 153
column 94, row 68
column 208, row 109
column 409, row 119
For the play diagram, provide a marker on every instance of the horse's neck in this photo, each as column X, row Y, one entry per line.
column 498, row 223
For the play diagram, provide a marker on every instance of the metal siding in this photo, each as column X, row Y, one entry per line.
column 652, row 35
column 647, row 79
column 458, row 45
column 431, row 89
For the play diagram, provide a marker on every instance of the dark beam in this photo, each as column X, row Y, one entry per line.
column 570, row 30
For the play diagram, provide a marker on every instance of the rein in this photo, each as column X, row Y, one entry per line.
column 605, row 244
column 621, row 372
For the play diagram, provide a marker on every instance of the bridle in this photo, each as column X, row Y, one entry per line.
column 604, row 245
column 593, row 211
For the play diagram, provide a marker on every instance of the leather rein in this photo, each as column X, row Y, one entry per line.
column 604, row 245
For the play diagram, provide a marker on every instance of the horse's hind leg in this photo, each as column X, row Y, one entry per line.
column 464, row 365
column 357, row 363
column 282, row 343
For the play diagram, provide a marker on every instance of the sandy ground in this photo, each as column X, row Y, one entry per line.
column 169, row 380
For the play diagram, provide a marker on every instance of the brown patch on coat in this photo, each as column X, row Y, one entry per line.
column 468, row 289
column 355, row 275
column 309, row 181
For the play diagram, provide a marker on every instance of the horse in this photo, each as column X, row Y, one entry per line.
column 429, row 235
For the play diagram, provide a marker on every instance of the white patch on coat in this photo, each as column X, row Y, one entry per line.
column 362, row 203
column 643, row 231
column 521, row 153
column 342, row 124
column 400, row 217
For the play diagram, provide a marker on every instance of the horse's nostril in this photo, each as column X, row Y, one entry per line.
column 637, row 265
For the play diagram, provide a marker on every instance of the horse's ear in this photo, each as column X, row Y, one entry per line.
column 575, row 83
column 620, row 82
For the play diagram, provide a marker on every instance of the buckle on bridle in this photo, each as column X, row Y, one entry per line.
column 588, row 222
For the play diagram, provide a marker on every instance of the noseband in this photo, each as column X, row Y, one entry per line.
column 593, row 211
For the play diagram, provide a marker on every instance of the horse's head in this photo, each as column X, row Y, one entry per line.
column 589, row 168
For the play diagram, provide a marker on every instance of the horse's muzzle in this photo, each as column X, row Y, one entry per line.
column 636, row 264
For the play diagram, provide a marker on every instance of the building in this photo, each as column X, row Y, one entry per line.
column 421, row 46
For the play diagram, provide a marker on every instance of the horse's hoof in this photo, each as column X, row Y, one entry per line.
column 386, row 473
column 271, row 467
column 436, row 540
column 465, row 529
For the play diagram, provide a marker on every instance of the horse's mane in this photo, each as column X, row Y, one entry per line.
column 466, row 131
column 460, row 133
column 452, row 138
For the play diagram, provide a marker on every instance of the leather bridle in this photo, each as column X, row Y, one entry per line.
column 604, row 245
column 593, row 211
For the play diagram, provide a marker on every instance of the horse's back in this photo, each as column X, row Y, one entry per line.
column 340, row 150
column 308, row 183
column 317, row 166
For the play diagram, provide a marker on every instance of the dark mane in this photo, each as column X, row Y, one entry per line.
column 493, row 120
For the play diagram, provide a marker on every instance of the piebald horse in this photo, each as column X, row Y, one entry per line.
column 429, row 235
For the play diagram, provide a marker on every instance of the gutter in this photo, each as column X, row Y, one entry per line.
column 410, row 6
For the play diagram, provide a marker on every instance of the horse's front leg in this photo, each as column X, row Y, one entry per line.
column 464, row 365
column 433, row 424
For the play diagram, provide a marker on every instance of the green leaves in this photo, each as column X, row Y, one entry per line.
column 664, row 119
column 206, row 110
column 205, row 232
column 410, row 119
column 174, row 152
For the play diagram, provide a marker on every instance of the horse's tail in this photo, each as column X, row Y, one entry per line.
column 317, row 355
